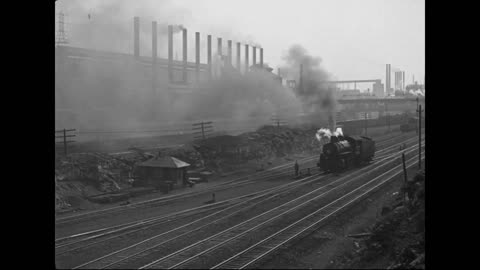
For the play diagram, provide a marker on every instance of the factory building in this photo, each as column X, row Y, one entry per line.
column 116, row 83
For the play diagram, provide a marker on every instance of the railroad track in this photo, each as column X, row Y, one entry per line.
column 269, row 173
column 158, row 242
column 140, row 225
column 147, row 223
column 102, row 232
column 191, row 256
column 262, row 249
column 126, row 259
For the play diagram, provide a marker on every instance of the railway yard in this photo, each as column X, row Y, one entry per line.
column 252, row 221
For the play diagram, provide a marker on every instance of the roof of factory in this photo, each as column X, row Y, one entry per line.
column 164, row 162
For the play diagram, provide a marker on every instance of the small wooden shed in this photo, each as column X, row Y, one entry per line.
column 162, row 171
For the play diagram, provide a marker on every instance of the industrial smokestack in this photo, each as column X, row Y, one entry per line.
column 184, row 55
column 238, row 56
column 154, row 41
column 261, row 57
column 254, row 54
column 300, row 80
column 170, row 53
column 197, row 55
column 246, row 58
column 136, row 37
column 229, row 52
column 219, row 46
column 154, row 56
column 209, row 55
column 403, row 80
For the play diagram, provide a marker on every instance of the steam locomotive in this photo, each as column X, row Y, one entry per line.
column 343, row 152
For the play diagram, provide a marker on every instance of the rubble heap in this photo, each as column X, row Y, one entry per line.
column 399, row 235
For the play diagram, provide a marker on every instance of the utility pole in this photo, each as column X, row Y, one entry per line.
column 278, row 121
column 366, row 123
column 64, row 136
column 416, row 130
column 419, row 136
column 205, row 127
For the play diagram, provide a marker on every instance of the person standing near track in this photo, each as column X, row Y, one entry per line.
column 297, row 168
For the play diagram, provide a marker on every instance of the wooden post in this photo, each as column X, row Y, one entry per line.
column 420, row 136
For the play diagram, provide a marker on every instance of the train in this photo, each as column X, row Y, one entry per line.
column 343, row 152
column 410, row 125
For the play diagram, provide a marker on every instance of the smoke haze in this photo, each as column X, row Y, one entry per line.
column 312, row 91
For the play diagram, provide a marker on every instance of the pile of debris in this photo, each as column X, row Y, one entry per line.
column 399, row 235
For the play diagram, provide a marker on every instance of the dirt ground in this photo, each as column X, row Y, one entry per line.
column 328, row 247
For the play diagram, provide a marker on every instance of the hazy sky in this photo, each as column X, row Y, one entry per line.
column 354, row 38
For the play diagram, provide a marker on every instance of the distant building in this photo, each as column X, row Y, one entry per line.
column 378, row 89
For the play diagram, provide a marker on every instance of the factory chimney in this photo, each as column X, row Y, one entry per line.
column 238, row 56
column 136, row 37
column 261, row 57
column 254, row 54
column 170, row 53
column 154, row 41
column 219, row 47
column 209, row 55
column 229, row 59
column 154, row 56
column 300, row 80
column 197, row 55
column 184, row 77
column 246, row 58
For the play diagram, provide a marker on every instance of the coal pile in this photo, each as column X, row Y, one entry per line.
column 265, row 143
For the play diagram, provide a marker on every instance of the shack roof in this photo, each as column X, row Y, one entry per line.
column 164, row 162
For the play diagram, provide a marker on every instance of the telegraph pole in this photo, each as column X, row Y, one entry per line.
column 416, row 130
column 366, row 123
column 419, row 136
column 64, row 136
column 205, row 127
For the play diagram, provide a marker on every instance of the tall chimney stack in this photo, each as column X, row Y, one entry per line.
column 261, row 57
column 229, row 52
column 219, row 46
column 254, row 54
column 197, row 55
column 136, row 37
column 246, row 58
column 154, row 41
column 170, row 53
column 154, row 56
column 184, row 55
column 300, row 80
column 403, row 81
column 238, row 56
column 387, row 80
column 209, row 55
